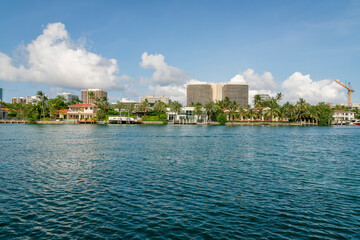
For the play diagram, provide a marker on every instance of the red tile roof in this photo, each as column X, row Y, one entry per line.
column 63, row 111
column 82, row 105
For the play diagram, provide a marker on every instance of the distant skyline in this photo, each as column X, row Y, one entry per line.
column 133, row 48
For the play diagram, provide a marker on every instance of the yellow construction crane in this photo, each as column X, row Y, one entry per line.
column 349, row 90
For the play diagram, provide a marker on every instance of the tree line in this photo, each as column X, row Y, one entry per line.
column 221, row 111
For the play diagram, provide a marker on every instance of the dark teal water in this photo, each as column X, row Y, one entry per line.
column 179, row 182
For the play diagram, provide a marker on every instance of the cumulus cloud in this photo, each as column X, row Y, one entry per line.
column 166, row 80
column 295, row 87
column 258, row 84
column 164, row 74
column 256, row 81
column 302, row 86
column 54, row 59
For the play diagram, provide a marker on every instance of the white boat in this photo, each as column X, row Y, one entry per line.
column 357, row 122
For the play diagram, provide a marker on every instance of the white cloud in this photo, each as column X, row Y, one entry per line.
column 166, row 80
column 175, row 92
column 302, row 86
column 54, row 59
column 255, row 81
column 164, row 74
column 264, row 84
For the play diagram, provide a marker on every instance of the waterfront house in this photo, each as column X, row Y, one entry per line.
column 343, row 117
column 186, row 115
column 80, row 112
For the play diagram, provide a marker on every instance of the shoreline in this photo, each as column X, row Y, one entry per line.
column 245, row 123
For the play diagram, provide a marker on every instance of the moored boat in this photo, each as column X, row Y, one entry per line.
column 357, row 122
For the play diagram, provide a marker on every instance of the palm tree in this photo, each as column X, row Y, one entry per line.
column 144, row 107
column 119, row 105
column 176, row 108
column 261, row 114
column 198, row 110
column 257, row 100
column 41, row 95
column 130, row 108
column 232, row 110
column 211, row 108
column 159, row 107
column 302, row 109
column 91, row 96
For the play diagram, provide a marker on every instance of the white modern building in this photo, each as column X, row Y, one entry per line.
column 32, row 99
column 186, row 115
column 343, row 117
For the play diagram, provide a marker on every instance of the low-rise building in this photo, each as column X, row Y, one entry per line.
column 343, row 117
column 152, row 99
column 80, row 112
column 32, row 99
column 18, row 100
column 186, row 115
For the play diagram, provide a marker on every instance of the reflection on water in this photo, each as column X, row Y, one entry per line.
column 89, row 181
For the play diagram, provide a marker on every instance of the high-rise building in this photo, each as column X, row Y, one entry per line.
column 237, row 92
column 1, row 95
column 98, row 94
column 217, row 92
column 201, row 93
column 68, row 96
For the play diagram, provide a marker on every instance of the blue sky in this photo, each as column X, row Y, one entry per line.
column 212, row 41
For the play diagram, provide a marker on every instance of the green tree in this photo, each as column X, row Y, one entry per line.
column 159, row 108
column 221, row 118
column 325, row 114
column 144, row 106
column 119, row 105
column 198, row 110
column 233, row 108
column 74, row 100
column 175, row 107
column 130, row 108
column 43, row 98
column 257, row 100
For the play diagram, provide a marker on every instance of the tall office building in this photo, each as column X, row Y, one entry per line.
column 98, row 93
column 1, row 95
column 217, row 92
column 201, row 93
column 237, row 92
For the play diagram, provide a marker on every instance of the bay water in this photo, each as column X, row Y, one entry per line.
column 179, row 182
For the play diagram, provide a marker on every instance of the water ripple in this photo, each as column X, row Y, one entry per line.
column 179, row 182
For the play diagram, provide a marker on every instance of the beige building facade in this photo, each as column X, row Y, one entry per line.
column 203, row 93
column 152, row 99
column 98, row 93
